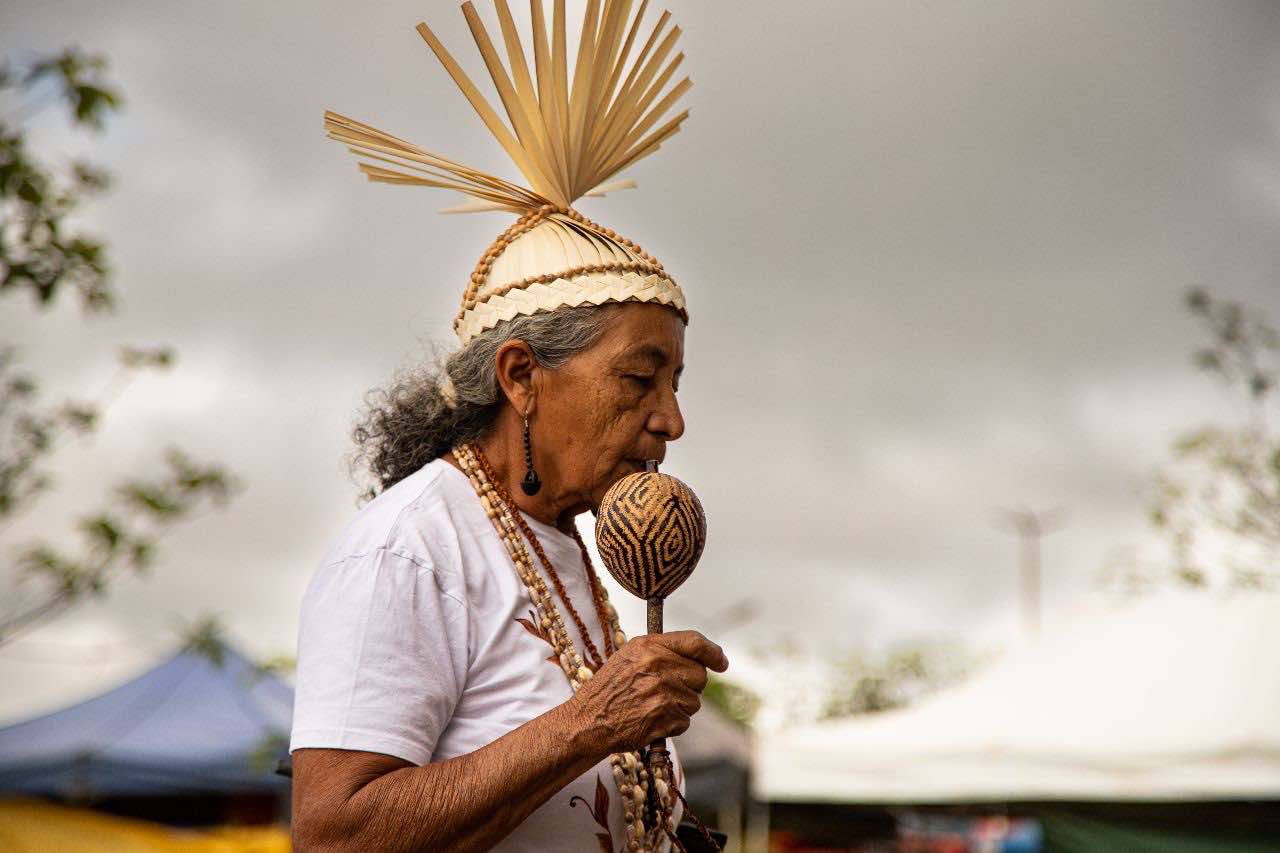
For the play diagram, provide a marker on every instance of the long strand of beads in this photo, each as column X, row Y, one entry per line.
column 593, row 654
column 496, row 511
column 631, row 784
column 570, row 662
column 629, row 772
column 604, row 610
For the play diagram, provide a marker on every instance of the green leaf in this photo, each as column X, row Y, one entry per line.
column 1198, row 300
column 67, row 576
column 1207, row 359
column 151, row 499
column 205, row 637
column 90, row 178
column 22, row 386
column 141, row 554
column 103, row 532
column 79, row 76
column 1259, row 385
column 1195, row 442
column 1191, row 576
column 80, row 417
column 135, row 357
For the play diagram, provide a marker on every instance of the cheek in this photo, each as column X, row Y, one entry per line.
column 616, row 419
column 588, row 424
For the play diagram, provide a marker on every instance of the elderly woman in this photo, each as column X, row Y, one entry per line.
column 463, row 683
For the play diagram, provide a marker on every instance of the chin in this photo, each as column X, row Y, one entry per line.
column 625, row 468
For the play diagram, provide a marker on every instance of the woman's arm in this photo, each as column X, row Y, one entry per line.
column 350, row 800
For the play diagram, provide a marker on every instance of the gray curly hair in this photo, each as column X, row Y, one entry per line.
column 426, row 410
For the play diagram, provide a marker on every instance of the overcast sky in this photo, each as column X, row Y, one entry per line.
column 934, row 254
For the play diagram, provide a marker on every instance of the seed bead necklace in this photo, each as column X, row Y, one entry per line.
column 633, row 778
column 598, row 595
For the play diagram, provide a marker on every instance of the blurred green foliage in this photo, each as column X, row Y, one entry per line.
column 868, row 683
column 1218, row 502
column 41, row 254
column 207, row 637
column 732, row 700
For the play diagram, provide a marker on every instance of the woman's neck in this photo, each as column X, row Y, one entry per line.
column 505, row 455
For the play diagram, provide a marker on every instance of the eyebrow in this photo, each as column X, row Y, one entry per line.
column 656, row 353
column 648, row 351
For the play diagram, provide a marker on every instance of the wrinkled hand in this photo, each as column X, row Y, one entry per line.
column 649, row 688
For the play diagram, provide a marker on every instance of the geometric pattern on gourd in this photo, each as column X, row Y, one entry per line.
column 650, row 531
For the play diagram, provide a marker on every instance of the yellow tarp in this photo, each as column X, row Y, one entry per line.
column 30, row 826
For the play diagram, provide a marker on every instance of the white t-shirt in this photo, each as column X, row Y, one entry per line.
column 417, row 640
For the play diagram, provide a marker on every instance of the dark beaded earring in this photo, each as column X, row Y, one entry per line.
column 531, row 483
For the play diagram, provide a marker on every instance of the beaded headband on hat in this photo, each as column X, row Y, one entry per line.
column 569, row 140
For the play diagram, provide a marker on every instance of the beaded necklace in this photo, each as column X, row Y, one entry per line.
column 598, row 595
column 643, row 792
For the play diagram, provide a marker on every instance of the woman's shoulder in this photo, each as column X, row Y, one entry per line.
column 417, row 519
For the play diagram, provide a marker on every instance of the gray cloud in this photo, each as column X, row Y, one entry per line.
column 934, row 254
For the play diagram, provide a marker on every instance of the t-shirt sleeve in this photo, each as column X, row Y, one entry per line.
column 382, row 657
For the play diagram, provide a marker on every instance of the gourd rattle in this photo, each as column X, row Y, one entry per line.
column 650, row 530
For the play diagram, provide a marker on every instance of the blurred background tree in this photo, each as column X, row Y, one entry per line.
column 1216, row 503
column 895, row 678
column 731, row 699
column 43, row 254
column 1219, row 503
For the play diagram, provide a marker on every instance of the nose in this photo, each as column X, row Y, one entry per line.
column 666, row 421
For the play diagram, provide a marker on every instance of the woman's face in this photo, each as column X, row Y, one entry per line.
column 612, row 406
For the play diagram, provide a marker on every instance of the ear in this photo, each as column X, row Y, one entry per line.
column 516, row 367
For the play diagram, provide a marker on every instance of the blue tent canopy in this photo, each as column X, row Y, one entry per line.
column 191, row 725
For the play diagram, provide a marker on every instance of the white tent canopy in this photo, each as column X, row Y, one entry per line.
column 1173, row 698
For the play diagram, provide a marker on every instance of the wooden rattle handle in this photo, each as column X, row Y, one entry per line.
column 655, row 627
column 655, row 615
column 659, row 757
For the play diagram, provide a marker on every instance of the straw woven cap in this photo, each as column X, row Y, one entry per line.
column 569, row 136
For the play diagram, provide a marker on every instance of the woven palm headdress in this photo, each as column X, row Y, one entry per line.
column 568, row 139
